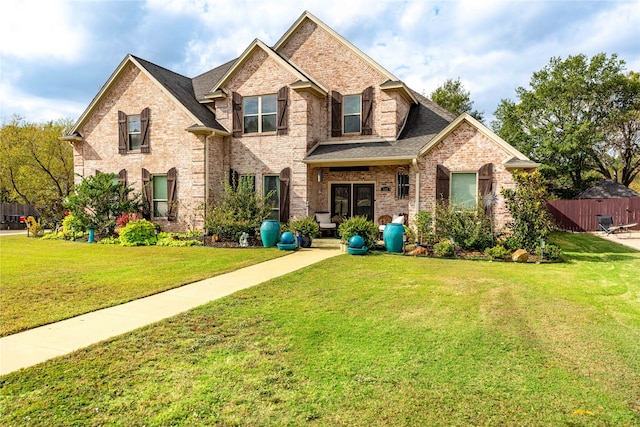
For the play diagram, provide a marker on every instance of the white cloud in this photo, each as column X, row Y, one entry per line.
column 35, row 30
column 35, row 108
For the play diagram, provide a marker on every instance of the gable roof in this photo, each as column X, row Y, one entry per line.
column 308, row 16
column 521, row 159
column 257, row 44
column 607, row 189
column 177, row 87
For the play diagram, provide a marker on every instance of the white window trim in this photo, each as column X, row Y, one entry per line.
column 259, row 114
column 359, row 114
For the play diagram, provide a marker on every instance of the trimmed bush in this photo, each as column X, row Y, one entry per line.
column 359, row 225
column 138, row 233
column 497, row 252
column 444, row 249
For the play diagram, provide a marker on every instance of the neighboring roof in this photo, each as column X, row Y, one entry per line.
column 607, row 189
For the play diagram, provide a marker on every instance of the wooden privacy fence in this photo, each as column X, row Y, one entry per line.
column 582, row 215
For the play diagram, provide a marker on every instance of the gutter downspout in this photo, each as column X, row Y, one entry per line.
column 206, row 174
column 416, row 169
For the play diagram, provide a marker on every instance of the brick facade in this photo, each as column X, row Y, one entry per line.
column 203, row 161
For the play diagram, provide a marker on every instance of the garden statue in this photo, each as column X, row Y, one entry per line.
column 244, row 240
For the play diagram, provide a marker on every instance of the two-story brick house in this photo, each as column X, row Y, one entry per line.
column 312, row 117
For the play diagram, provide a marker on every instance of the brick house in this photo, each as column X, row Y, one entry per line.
column 312, row 117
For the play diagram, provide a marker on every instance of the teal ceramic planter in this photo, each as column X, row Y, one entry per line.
column 393, row 237
column 92, row 235
column 269, row 232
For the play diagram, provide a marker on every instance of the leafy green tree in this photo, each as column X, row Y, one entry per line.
column 618, row 152
column 35, row 167
column 99, row 200
column 570, row 118
column 527, row 205
column 452, row 96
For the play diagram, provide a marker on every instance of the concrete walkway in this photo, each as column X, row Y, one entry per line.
column 629, row 239
column 36, row 345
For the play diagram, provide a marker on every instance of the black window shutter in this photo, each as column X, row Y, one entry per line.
column 144, row 125
column 285, row 177
column 283, row 111
column 442, row 183
column 336, row 114
column 123, row 135
column 236, row 107
column 367, row 111
column 171, row 194
column 122, row 177
column 97, row 172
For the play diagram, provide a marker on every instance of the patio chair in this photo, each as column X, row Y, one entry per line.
column 325, row 223
column 605, row 223
column 386, row 219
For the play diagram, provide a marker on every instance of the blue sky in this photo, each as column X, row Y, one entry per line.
column 56, row 55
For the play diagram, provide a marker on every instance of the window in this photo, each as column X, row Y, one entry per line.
column 134, row 133
column 259, row 113
column 160, row 196
column 271, row 188
column 403, row 185
column 352, row 108
column 463, row 189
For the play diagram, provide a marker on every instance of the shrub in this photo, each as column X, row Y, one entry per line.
column 444, row 248
column 550, row 252
column 179, row 239
column 125, row 217
column 497, row 252
column 109, row 241
column 239, row 210
column 361, row 226
column 469, row 228
column 424, row 226
column 307, row 226
column 528, row 207
column 98, row 200
column 138, row 233
column 35, row 226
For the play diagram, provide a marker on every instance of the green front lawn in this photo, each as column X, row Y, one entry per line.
column 43, row 281
column 375, row 340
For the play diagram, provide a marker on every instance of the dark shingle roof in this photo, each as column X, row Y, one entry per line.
column 607, row 189
column 425, row 121
column 182, row 89
column 203, row 83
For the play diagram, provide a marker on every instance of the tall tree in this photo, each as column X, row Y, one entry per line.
column 35, row 167
column 566, row 118
column 452, row 96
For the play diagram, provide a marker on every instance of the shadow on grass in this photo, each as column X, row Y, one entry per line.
column 588, row 245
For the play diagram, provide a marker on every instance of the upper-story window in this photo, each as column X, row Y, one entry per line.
column 134, row 135
column 133, row 132
column 259, row 113
column 352, row 113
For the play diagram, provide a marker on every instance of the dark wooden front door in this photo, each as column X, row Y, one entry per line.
column 352, row 200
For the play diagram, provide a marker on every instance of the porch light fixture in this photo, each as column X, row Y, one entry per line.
column 319, row 175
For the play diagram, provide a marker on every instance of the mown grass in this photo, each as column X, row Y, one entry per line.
column 375, row 340
column 43, row 281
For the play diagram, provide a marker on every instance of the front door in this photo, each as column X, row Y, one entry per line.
column 352, row 200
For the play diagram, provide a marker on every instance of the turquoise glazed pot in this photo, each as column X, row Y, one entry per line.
column 356, row 242
column 392, row 236
column 269, row 232
column 287, row 238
